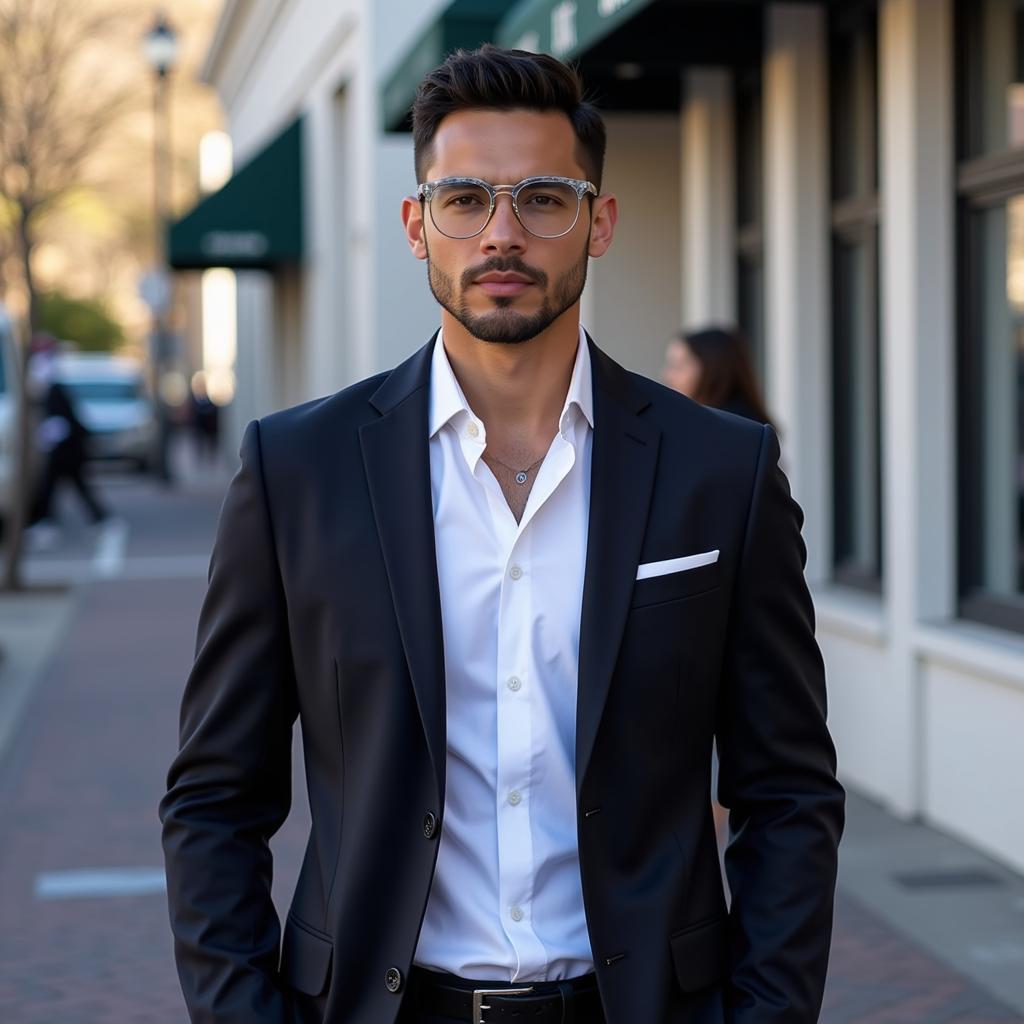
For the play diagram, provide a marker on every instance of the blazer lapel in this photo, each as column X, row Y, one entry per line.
column 396, row 455
column 625, row 454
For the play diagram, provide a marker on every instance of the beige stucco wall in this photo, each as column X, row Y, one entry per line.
column 632, row 300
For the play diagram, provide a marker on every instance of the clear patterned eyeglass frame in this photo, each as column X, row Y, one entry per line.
column 425, row 190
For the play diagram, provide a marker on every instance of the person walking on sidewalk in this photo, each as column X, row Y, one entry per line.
column 60, row 436
column 512, row 592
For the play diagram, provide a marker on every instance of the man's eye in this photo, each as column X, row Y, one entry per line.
column 545, row 199
column 463, row 199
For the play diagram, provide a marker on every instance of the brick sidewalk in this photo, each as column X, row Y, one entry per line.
column 877, row 977
column 79, row 789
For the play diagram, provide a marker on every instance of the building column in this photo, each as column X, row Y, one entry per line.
column 254, row 359
column 322, row 339
column 708, row 178
column 918, row 357
column 365, row 289
column 796, row 250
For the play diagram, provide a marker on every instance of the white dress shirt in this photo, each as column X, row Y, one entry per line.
column 507, row 901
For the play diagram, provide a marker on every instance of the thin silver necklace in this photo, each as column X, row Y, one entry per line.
column 521, row 475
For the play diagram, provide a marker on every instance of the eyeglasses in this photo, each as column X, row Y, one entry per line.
column 547, row 207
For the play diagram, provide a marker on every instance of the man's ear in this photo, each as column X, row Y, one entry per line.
column 602, row 223
column 412, row 220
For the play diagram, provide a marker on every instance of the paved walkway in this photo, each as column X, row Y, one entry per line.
column 84, row 768
column 877, row 976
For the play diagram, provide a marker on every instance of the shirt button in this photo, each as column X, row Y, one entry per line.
column 473, row 430
column 515, row 797
column 515, row 572
column 515, row 684
column 516, row 913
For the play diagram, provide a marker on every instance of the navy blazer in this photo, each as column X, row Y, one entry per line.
column 323, row 604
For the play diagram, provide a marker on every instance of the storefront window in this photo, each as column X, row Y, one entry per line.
column 991, row 345
column 856, row 414
column 994, row 408
column 994, row 81
column 856, row 362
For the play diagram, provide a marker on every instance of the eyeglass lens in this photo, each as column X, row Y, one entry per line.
column 546, row 209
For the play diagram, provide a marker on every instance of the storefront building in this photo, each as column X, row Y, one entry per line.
column 846, row 181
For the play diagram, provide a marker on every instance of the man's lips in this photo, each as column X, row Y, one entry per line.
column 503, row 284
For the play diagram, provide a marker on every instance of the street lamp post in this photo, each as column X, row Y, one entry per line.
column 160, row 47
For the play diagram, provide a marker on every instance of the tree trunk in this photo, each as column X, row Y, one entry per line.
column 22, row 490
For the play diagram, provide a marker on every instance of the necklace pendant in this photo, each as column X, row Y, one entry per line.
column 520, row 477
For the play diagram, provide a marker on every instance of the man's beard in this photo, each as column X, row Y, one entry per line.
column 504, row 325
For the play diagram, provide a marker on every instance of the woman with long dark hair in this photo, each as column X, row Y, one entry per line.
column 713, row 367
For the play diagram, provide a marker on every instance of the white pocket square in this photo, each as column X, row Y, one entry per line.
column 649, row 569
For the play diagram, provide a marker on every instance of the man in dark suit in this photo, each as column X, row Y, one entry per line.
column 512, row 592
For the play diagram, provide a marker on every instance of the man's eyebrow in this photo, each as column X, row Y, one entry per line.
column 514, row 181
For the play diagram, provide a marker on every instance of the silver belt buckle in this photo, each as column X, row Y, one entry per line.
column 478, row 999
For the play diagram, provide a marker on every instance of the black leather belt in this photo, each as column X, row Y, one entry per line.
column 575, row 1001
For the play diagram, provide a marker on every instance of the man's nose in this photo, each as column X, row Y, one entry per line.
column 504, row 233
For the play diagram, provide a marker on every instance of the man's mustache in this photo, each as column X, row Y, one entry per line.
column 504, row 265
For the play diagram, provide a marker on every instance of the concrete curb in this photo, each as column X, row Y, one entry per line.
column 32, row 625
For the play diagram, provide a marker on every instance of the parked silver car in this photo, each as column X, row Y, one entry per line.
column 8, row 412
column 110, row 398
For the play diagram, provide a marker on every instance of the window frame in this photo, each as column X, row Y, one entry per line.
column 855, row 220
column 982, row 181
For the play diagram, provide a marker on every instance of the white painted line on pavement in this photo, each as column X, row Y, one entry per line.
column 99, row 882
column 165, row 567
column 138, row 567
column 1005, row 951
column 110, row 547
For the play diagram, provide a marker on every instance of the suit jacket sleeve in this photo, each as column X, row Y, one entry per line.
column 229, row 788
column 777, row 769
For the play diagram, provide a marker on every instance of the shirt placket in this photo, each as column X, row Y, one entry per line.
column 516, row 696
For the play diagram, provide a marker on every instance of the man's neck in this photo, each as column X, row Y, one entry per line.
column 518, row 390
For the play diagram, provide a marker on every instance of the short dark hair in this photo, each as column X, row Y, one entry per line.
column 493, row 78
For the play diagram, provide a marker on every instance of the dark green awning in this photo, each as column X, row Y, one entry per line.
column 561, row 29
column 254, row 221
column 463, row 23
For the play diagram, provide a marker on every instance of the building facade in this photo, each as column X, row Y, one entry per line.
column 846, row 181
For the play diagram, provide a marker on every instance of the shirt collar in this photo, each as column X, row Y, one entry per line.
column 446, row 398
column 448, row 402
column 581, row 384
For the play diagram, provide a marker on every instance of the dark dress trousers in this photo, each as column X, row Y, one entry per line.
column 323, row 604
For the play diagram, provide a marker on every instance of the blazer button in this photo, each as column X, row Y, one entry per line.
column 429, row 825
column 393, row 979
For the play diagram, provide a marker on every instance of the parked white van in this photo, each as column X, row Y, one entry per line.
column 110, row 398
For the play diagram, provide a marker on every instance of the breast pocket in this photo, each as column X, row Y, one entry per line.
column 675, row 586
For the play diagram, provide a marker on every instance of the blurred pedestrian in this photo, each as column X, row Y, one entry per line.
column 713, row 367
column 60, row 438
column 205, row 418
